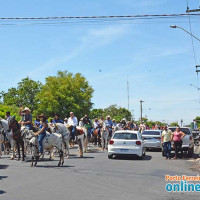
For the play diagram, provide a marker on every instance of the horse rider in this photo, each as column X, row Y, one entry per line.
column 96, row 131
column 8, row 117
column 42, row 132
column 37, row 122
column 26, row 117
column 65, row 121
column 123, row 123
column 72, row 123
column 109, row 124
column 57, row 119
column 88, row 125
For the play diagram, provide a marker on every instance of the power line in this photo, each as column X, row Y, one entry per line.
column 96, row 17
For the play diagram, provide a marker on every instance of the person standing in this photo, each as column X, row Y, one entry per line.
column 26, row 118
column 166, row 141
column 72, row 123
column 177, row 137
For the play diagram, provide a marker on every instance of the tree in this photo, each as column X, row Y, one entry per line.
column 23, row 95
column 174, row 124
column 96, row 113
column 14, row 111
column 64, row 93
column 114, row 111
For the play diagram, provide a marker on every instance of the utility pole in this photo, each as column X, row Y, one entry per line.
column 181, row 122
column 141, row 109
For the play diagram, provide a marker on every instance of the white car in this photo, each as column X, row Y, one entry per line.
column 152, row 139
column 126, row 142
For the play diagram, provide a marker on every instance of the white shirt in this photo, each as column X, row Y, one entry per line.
column 95, row 124
column 8, row 119
column 72, row 121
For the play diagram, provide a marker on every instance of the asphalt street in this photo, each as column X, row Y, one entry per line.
column 92, row 177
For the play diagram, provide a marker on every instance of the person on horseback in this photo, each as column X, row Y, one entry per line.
column 88, row 125
column 109, row 124
column 72, row 123
column 8, row 117
column 57, row 119
column 26, row 118
column 42, row 132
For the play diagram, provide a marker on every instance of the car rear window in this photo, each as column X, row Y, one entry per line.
column 125, row 136
column 184, row 130
column 151, row 133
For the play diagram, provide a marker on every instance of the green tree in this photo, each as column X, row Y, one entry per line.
column 96, row 113
column 14, row 111
column 64, row 93
column 114, row 111
column 23, row 95
column 174, row 124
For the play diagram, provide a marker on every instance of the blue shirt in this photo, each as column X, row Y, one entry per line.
column 58, row 121
column 108, row 123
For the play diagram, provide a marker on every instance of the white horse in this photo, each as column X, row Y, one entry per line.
column 62, row 129
column 4, row 125
column 104, row 137
column 49, row 142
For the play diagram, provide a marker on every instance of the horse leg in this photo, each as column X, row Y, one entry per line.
column 0, row 149
column 18, row 150
column 67, row 148
column 32, row 160
column 23, row 154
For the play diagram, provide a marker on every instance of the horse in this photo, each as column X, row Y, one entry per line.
column 4, row 127
column 16, row 134
column 104, row 137
column 62, row 129
column 49, row 142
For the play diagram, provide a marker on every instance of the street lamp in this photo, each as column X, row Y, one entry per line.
column 175, row 26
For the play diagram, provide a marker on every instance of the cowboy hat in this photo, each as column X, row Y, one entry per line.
column 65, row 119
column 42, row 115
column 26, row 109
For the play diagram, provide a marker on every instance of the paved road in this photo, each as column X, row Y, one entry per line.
column 91, row 178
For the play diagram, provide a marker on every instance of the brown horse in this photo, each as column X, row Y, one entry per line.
column 16, row 131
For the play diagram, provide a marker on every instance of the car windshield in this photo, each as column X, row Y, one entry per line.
column 125, row 136
column 184, row 130
column 151, row 133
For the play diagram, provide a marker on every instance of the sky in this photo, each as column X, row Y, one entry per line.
column 157, row 61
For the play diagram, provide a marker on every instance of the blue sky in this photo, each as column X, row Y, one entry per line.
column 157, row 60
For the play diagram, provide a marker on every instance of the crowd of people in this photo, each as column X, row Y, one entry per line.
column 94, row 129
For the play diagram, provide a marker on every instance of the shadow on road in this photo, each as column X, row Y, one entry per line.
column 77, row 157
column 2, row 177
column 3, row 166
column 124, row 157
column 2, row 192
column 53, row 166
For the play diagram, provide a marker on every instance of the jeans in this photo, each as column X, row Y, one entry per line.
column 89, row 132
column 167, row 149
column 178, row 147
column 28, row 126
column 40, row 139
column 72, row 130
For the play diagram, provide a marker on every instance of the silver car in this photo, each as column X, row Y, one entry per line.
column 152, row 139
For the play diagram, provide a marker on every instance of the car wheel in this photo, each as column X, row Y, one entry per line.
column 191, row 152
column 110, row 156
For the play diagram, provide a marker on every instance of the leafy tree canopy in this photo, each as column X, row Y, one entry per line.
column 23, row 95
column 64, row 93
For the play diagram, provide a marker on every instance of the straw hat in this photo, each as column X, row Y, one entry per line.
column 26, row 109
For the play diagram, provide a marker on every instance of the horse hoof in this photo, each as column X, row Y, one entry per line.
column 67, row 156
column 31, row 165
column 58, row 164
